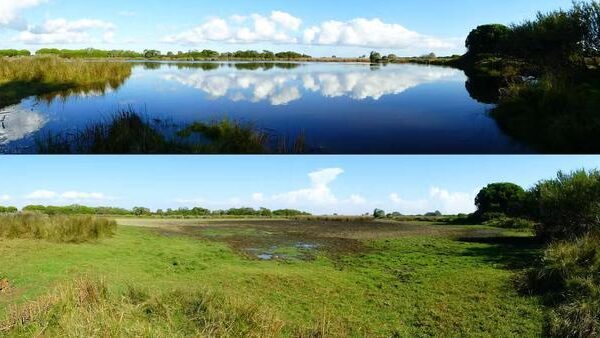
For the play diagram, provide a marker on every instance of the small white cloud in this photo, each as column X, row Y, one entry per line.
column 439, row 199
column 258, row 197
column 357, row 200
column 41, row 195
column 78, row 195
column 10, row 12
column 319, row 191
column 5, row 197
column 61, row 31
column 190, row 201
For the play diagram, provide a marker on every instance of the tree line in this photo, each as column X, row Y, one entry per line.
column 206, row 54
column 76, row 209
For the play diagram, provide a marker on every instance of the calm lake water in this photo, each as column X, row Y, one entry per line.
column 340, row 108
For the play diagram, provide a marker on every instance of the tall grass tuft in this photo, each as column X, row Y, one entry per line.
column 87, row 308
column 58, row 228
column 569, row 278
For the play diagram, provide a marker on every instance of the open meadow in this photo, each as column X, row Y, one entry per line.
column 347, row 277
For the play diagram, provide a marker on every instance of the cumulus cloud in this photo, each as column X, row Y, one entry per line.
column 279, row 27
column 61, row 31
column 67, row 195
column 438, row 199
column 372, row 33
column 282, row 27
column 5, row 197
column 10, row 12
column 319, row 191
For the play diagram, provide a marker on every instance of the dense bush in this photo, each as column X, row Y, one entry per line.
column 8, row 210
column 500, row 198
column 569, row 277
column 14, row 52
column 510, row 223
column 488, row 39
column 567, row 206
column 59, row 228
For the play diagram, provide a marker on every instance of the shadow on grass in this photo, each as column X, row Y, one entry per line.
column 513, row 253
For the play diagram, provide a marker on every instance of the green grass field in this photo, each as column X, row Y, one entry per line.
column 320, row 278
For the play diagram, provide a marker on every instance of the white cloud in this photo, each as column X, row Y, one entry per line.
column 41, row 195
column 19, row 123
column 5, row 197
column 357, row 199
column 61, row 31
column 10, row 12
column 278, row 28
column 78, row 195
column 66, row 196
column 372, row 33
column 319, row 191
column 439, row 199
column 190, row 201
column 258, row 197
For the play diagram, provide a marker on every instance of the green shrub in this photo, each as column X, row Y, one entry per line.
column 510, row 223
column 58, row 228
column 500, row 198
column 569, row 277
column 568, row 206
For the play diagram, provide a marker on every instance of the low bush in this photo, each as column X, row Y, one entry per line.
column 58, row 228
column 569, row 278
column 510, row 223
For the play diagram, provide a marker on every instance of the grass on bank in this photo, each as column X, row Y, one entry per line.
column 418, row 285
column 57, row 228
column 48, row 77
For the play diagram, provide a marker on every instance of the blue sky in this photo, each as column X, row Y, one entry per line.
column 321, row 28
column 320, row 184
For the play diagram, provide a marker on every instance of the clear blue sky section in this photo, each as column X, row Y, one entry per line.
column 159, row 181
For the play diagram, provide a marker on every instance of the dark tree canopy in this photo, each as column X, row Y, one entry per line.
column 488, row 39
column 505, row 198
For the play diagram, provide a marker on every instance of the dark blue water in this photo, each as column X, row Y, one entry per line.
column 340, row 108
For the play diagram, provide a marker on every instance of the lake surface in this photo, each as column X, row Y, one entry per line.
column 341, row 108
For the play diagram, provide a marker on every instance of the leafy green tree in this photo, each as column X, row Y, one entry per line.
column 140, row 211
column 375, row 57
column 378, row 213
column 567, row 206
column 488, row 39
column 501, row 198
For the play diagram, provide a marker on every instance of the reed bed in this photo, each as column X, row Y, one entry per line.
column 57, row 228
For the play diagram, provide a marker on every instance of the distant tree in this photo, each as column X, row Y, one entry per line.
column 504, row 198
column 375, row 57
column 140, row 211
column 378, row 213
column 392, row 57
column 488, row 39
column 151, row 53
column 436, row 213
column 170, row 54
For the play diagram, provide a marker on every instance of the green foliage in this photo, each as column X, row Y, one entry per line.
column 378, row 213
column 567, row 206
column 510, row 223
column 488, row 39
column 589, row 14
column 151, row 53
column 14, row 52
column 58, row 228
column 436, row 213
column 8, row 210
column 88, row 53
column 569, row 277
column 375, row 57
column 289, row 213
column 502, row 198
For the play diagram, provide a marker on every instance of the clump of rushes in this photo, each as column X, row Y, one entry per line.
column 49, row 77
column 58, row 228
column 87, row 307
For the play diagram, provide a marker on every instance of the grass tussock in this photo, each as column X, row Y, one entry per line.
column 569, row 278
column 87, row 308
column 129, row 133
column 51, row 77
column 58, row 228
